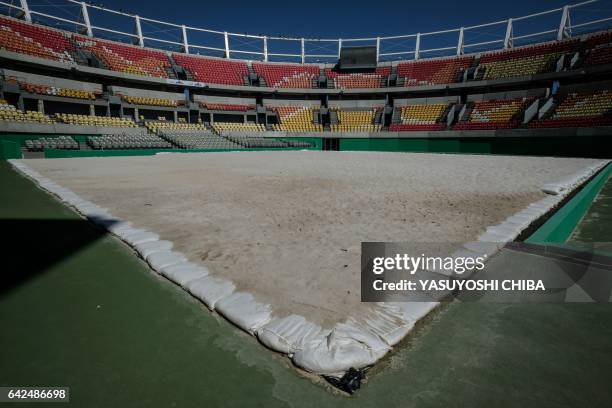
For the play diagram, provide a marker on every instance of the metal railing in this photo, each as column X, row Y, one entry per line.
column 558, row 26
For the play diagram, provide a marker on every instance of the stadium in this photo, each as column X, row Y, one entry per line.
column 191, row 212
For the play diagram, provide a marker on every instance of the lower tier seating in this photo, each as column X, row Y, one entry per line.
column 127, row 141
column 60, row 142
column 254, row 142
column 356, row 121
column 297, row 119
column 198, row 139
column 88, row 120
column 155, row 126
column 139, row 100
column 56, row 91
column 580, row 110
column 221, row 127
column 494, row 114
column 11, row 114
column 226, row 107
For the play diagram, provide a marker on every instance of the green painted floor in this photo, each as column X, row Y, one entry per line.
column 84, row 312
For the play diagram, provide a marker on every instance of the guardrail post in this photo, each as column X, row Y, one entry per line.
column 460, row 42
column 185, row 41
column 26, row 11
column 227, row 50
column 139, row 31
column 377, row 49
column 508, row 43
column 303, row 54
column 417, row 47
column 564, row 26
column 85, row 15
column 265, row 46
column 339, row 46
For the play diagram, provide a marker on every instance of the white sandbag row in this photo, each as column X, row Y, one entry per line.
column 567, row 184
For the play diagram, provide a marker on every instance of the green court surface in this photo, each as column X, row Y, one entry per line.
column 79, row 309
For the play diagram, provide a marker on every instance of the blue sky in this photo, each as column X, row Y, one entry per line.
column 318, row 18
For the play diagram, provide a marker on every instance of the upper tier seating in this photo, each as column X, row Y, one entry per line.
column 155, row 127
column 12, row 114
column 421, row 117
column 126, row 58
column 355, row 121
column 226, row 107
column 222, row 127
column 429, row 72
column 494, row 114
column 358, row 80
column 214, row 71
column 297, row 119
column 601, row 54
column 140, row 100
column 87, row 120
column 55, row 91
column 523, row 61
column 287, row 75
column 580, row 110
column 198, row 139
column 60, row 142
column 34, row 40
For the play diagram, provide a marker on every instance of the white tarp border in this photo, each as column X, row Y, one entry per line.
column 357, row 342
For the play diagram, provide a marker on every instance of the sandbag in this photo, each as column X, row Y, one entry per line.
column 159, row 260
column 147, row 248
column 288, row 334
column 210, row 289
column 185, row 272
column 241, row 309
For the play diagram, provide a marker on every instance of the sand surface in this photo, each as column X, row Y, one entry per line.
column 287, row 226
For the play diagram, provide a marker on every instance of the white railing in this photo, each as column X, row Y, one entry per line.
column 559, row 23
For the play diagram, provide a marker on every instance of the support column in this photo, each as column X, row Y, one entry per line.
column 227, row 50
column 265, row 48
column 136, row 115
column 92, row 110
column 303, row 54
column 26, row 11
column 185, row 41
column 564, row 26
column 508, row 43
column 139, row 31
column 175, row 114
column 85, row 15
column 41, row 106
column 460, row 42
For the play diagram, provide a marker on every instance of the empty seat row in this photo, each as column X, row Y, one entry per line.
column 141, row 100
column 155, row 126
column 88, row 120
column 60, row 142
column 494, row 114
column 287, row 75
column 436, row 71
column 580, row 110
column 212, row 70
column 56, row 91
column 221, row 127
column 358, row 80
column 127, row 141
column 198, row 139
column 226, row 107
column 355, row 121
column 12, row 114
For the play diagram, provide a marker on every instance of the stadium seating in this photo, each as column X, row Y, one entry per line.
column 55, row 91
column 355, row 121
column 214, row 71
column 494, row 114
column 156, row 126
column 254, row 142
column 287, row 75
column 60, row 142
column 598, row 49
column 420, row 117
column 435, row 71
column 126, row 58
column 139, row 100
column 221, row 127
column 523, row 61
column 34, row 40
column 128, row 141
column 197, row 139
column 87, row 120
column 226, row 107
column 296, row 119
column 358, row 80
column 580, row 110
column 12, row 114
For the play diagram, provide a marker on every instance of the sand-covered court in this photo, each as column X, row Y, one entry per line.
column 271, row 240
column 287, row 226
